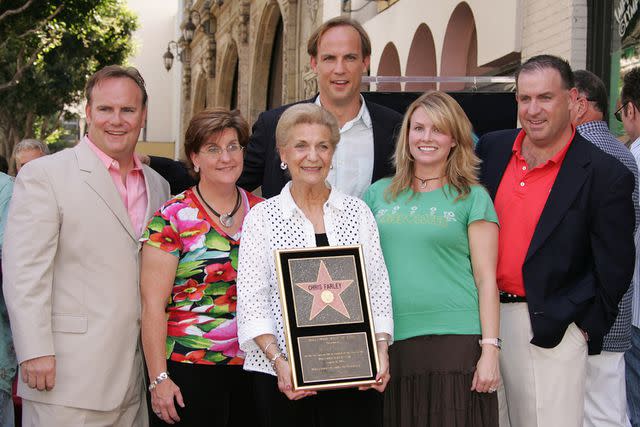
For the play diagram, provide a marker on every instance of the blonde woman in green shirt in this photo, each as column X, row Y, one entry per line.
column 439, row 236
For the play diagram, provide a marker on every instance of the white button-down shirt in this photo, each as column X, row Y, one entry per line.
column 278, row 223
column 353, row 160
column 635, row 150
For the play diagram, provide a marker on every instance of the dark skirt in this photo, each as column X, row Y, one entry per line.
column 213, row 395
column 430, row 384
column 334, row 408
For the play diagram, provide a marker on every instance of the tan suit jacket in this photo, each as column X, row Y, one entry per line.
column 71, row 277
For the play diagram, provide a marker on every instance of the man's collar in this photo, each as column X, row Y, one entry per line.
column 107, row 160
column 557, row 158
column 363, row 114
column 592, row 125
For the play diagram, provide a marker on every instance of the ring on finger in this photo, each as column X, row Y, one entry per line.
column 492, row 390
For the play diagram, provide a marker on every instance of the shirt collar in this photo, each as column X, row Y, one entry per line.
column 635, row 143
column 108, row 161
column 592, row 126
column 363, row 114
column 288, row 205
column 557, row 158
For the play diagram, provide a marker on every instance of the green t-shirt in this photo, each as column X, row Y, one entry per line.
column 426, row 248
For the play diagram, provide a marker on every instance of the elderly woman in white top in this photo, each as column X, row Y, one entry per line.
column 307, row 213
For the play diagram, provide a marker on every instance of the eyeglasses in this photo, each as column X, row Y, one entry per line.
column 618, row 113
column 216, row 151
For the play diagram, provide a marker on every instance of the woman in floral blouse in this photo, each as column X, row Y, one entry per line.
column 188, row 283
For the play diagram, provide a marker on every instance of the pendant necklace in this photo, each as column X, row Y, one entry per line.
column 225, row 219
column 423, row 182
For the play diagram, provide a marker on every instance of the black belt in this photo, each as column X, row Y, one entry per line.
column 507, row 298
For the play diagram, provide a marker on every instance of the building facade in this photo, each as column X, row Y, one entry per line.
column 251, row 54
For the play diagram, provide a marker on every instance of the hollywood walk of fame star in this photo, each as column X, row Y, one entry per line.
column 326, row 292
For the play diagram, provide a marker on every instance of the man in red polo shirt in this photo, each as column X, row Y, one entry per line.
column 566, row 250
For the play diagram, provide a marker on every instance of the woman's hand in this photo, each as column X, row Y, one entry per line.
column 486, row 378
column 162, row 401
column 283, row 370
column 383, row 377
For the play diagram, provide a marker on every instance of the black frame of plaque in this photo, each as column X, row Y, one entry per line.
column 293, row 332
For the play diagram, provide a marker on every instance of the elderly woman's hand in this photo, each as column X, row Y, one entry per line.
column 283, row 370
column 162, row 401
column 486, row 379
column 383, row 377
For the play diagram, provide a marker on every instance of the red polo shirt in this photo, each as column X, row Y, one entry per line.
column 519, row 201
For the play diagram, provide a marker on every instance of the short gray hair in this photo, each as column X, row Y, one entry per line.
column 30, row 144
column 309, row 114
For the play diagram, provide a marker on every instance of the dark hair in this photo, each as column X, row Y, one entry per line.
column 210, row 121
column 339, row 21
column 4, row 165
column 592, row 87
column 541, row 62
column 631, row 88
column 114, row 72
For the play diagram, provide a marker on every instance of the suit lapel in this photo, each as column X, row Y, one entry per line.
column 380, row 145
column 568, row 183
column 153, row 199
column 97, row 177
column 493, row 175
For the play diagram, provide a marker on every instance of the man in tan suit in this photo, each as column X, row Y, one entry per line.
column 71, row 265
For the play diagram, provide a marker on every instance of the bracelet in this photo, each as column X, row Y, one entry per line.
column 267, row 347
column 382, row 339
column 493, row 341
column 161, row 377
column 276, row 356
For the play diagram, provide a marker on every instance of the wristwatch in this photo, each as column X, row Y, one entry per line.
column 493, row 341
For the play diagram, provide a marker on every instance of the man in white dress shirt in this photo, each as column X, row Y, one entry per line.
column 629, row 114
column 339, row 53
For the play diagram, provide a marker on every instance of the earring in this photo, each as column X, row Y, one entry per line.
column 196, row 169
column 283, row 166
column 331, row 167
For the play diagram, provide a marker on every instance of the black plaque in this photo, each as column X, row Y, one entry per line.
column 327, row 317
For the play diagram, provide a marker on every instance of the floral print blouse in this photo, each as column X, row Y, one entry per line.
column 201, row 324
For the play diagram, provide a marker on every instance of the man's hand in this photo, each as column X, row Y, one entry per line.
column 40, row 372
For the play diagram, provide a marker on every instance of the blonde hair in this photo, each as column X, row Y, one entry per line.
column 461, row 169
column 306, row 113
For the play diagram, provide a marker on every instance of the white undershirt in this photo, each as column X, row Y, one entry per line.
column 353, row 159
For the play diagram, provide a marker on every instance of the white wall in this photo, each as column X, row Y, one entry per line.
column 558, row 27
column 157, row 25
column 498, row 27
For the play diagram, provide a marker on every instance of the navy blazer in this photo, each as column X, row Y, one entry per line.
column 581, row 256
column 262, row 161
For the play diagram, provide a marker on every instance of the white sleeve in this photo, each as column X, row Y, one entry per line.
column 377, row 275
column 254, row 311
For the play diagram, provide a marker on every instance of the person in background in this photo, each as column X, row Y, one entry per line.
column 435, row 217
column 27, row 150
column 71, row 265
column 188, row 284
column 629, row 115
column 307, row 213
column 605, row 397
column 339, row 52
column 565, row 249
column 8, row 363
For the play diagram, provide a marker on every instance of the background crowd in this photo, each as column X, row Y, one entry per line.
column 501, row 275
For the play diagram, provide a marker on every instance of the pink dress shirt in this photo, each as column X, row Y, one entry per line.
column 133, row 191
